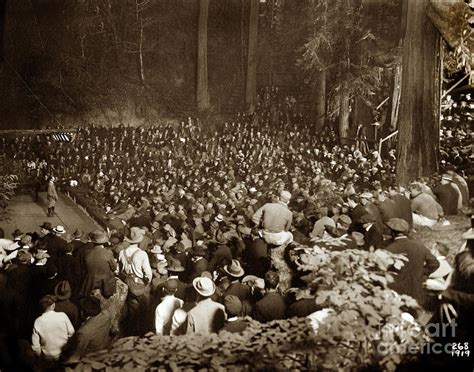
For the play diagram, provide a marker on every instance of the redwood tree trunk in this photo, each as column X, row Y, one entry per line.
column 202, row 90
column 320, row 99
column 251, row 85
column 418, row 137
column 344, row 109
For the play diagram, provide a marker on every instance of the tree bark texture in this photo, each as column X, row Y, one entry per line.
column 251, row 85
column 390, row 123
column 320, row 99
column 344, row 108
column 418, row 136
column 202, row 91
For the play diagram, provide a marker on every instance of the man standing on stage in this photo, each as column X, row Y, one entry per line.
column 51, row 197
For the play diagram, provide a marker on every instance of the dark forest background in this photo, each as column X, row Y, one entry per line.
column 80, row 58
column 77, row 62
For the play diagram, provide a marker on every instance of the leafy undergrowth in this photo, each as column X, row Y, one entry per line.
column 364, row 328
column 285, row 344
column 365, row 317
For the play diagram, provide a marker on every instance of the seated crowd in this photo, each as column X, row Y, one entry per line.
column 191, row 217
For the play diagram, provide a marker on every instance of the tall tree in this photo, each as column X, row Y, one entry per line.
column 418, row 137
column 319, row 86
column 343, row 44
column 202, row 90
column 251, row 85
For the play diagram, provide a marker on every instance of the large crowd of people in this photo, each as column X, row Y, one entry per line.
column 191, row 216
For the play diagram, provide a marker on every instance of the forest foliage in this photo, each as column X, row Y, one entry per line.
column 133, row 61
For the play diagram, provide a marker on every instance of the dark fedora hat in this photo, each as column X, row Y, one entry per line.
column 63, row 290
column 78, row 234
column 175, row 265
column 99, row 237
column 47, row 226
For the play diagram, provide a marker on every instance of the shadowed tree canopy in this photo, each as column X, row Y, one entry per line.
column 3, row 8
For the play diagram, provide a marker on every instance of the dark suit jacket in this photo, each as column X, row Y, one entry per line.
column 79, row 254
column 240, row 290
column 221, row 256
column 99, row 266
column 93, row 335
column 272, row 306
column 375, row 212
column 388, row 209
column 68, row 270
column 421, row 263
column 303, row 308
column 198, row 267
column 236, row 326
column 70, row 309
column 75, row 244
column 374, row 238
column 404, row 208
column 57, row 245
column 448, row 198
column 358, row 212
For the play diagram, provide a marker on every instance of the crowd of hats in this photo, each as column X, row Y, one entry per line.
column 191, row 164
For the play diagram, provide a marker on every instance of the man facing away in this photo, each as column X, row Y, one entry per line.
column 421, row 263
column 207, row 316
column 166, row 308
column 51, row 330
column 426, row 210
column 275, row 219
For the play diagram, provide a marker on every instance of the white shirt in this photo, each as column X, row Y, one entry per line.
column 164, row 314
column 51, row 332
column 140, row 264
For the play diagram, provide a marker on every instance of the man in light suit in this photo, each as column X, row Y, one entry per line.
column 207, row 316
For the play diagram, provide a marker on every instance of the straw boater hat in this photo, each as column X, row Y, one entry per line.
column 234, row 269
column 156, row 249
column 204, row 286
column 59, row 230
